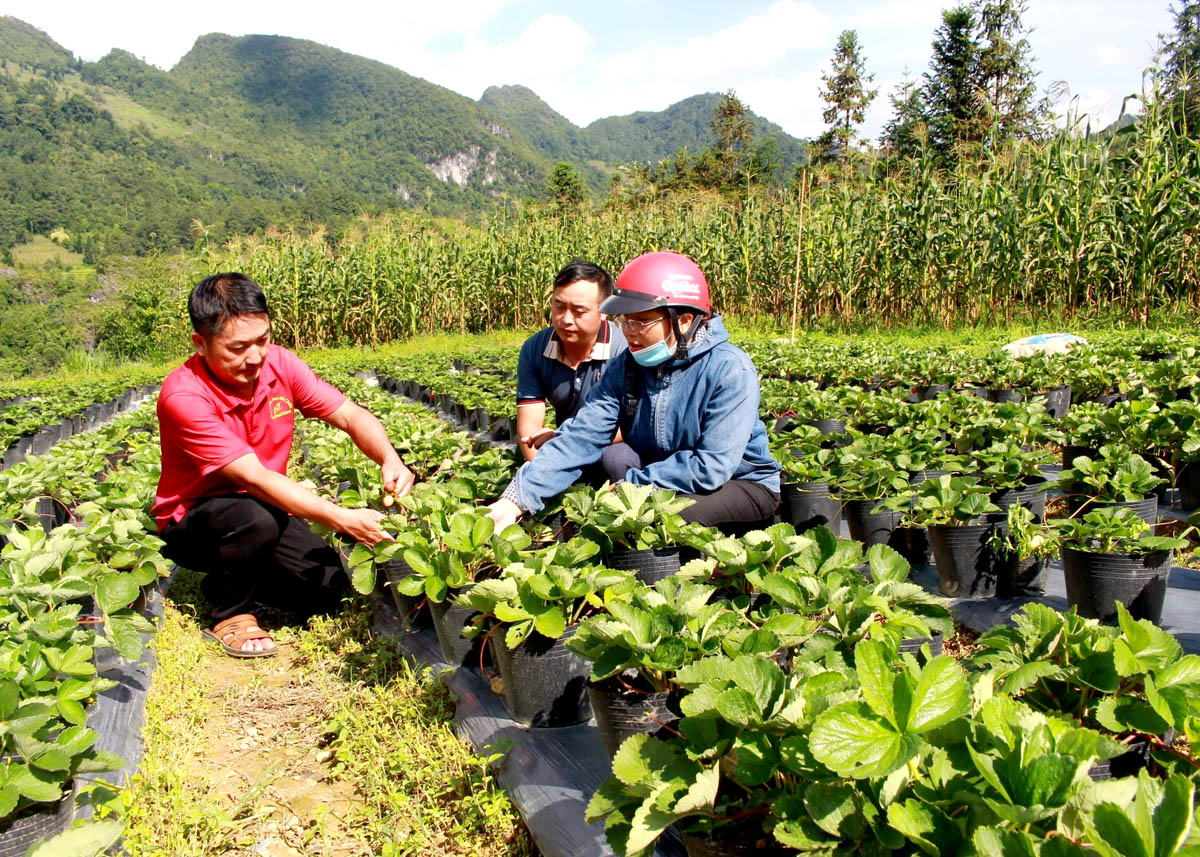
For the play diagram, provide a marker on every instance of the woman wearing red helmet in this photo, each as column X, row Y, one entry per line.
column 685, row 399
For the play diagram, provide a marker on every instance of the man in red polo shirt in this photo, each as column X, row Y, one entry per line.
column 225, row 505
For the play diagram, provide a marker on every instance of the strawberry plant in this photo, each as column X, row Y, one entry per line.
column 1117, row 475
column 633, row 517
column 544, row 593
column 653, row 632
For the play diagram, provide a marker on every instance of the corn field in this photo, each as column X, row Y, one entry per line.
column 1061, row 227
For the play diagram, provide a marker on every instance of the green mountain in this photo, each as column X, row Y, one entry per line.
column 28, row 46
column 245, row 132
column 647, row 136
column 643, row 136
column 547, row 130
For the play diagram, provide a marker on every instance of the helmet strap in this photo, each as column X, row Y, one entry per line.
column 683, row 341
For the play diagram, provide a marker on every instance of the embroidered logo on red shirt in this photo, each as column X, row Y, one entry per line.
column 281, row 406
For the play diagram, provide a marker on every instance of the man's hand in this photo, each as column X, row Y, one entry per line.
column 397, row 479
column 363, row 526
column 504, row 513
column 535, row 440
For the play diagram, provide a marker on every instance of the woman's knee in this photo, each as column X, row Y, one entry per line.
column 618, row 459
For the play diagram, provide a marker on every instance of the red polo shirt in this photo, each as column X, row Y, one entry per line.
column 203, row 426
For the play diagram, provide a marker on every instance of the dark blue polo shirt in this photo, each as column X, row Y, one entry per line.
column 543, row 377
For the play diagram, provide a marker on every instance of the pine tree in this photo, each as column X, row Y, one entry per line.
column 952, row 90
column 907, row 131
column 566, row 186
column 846, row 94
column 1181, row 63
column 1006, row 73
column 731, row 123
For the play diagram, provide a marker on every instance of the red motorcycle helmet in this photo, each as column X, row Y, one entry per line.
column 658, row 281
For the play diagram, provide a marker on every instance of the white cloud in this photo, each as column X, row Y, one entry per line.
column 542, row 57
column 653, row 75
column 162, row 33
column 793, row 102
column 756, row 42
column 1112, row 55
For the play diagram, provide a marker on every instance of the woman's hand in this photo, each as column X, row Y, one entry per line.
column 504, row 513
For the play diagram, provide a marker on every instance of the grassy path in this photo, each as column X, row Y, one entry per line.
column 335, row 747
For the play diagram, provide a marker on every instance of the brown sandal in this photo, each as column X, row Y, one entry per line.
column 231, row 633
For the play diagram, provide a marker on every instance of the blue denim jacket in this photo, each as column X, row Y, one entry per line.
column 696, row 427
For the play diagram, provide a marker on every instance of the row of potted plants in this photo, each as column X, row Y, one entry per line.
column 41, row 420
column 780, row 709
column 78, row 548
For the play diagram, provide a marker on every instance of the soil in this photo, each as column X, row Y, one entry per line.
column 264, row 738
column 962, row 644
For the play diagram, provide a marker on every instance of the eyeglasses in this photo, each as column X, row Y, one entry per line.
column 632, row 325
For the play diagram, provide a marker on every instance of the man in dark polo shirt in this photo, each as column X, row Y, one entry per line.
column 561, row 364
column 225, row 505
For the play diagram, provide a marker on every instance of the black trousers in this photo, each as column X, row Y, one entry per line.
column 735, row 508
column 252, row 552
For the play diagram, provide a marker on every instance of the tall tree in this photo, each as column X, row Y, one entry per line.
column 1181, row 62
column 731, row 123
column 566, row 186
column 1007, row 75
column 953, row 84
column 846, row 95
column 907, row 131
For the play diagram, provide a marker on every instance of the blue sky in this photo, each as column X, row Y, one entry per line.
column 590, row 60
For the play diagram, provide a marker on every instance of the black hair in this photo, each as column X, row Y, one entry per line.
column 218, row 298
column 581, row 269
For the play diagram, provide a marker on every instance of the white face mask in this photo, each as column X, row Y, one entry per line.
column 654, row 355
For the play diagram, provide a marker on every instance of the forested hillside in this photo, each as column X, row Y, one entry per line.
column 258, row 130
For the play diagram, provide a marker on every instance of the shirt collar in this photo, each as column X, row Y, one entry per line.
column 601, row 350
column 228, row 401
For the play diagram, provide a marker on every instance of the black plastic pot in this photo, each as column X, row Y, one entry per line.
column 829, row 426
column 1135, row 759
column 651, row 565
column 42, row 442
column 912, row 645
column 928, row 392
column 1058, row 401
column 967, row 565
column 1188, row 483
column 913, row 544
column 1071, row 452
column 1097, row 581
column 805, row 505
column 560, row 528
column 1146, row 508
column 872, row 528
column 413, row 609
column 919, row 476
column 448, row 623
column 1017, row 578
column 734, row 846
column 51, row 513
column 1107, row 400
column 545, row 683
column 621, row 711
column 1006, row 394
column 40, row 821
column 501, row 428
column 1031, row 496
